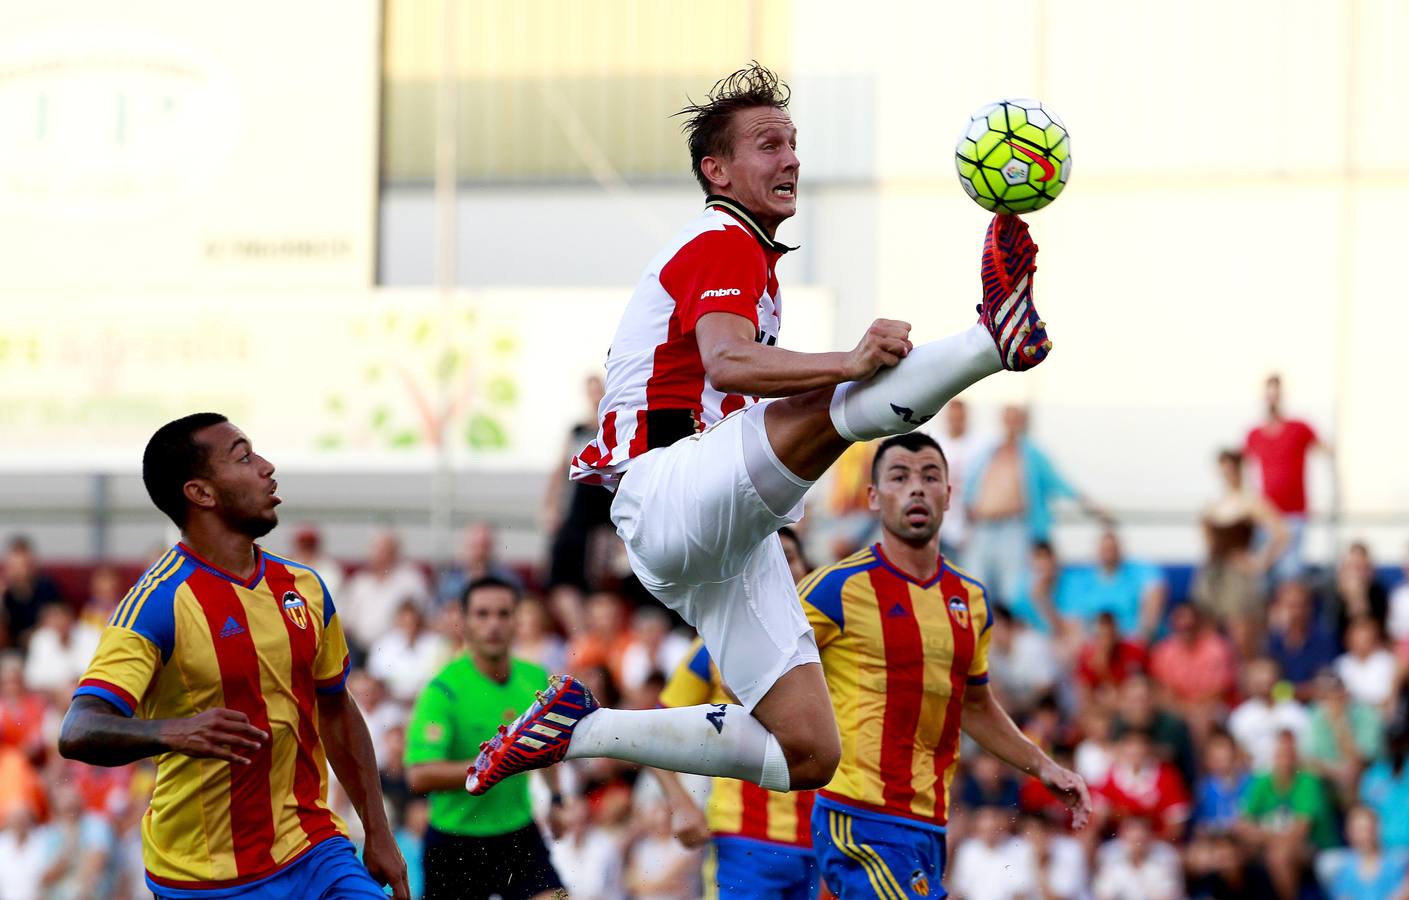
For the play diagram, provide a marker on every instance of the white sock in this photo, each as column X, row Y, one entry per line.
column 905, row 396
column 711, row 739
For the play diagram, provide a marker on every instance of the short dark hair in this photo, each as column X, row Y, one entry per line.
column 914, row 441
column 1230, row 455
column 488, row 581
column 709, row 128
column 172, row 458
column 788, row 532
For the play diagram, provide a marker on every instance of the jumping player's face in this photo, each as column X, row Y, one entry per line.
column 762, row 171
column 489, row 621
column 911, row 493
column 240, row 482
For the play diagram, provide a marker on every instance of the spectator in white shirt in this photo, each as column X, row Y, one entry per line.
column 1022, row 661
column 1256, row 722
column 960, row 444
column 588, row 855
column 59, row 649
column 406, row 658
column 1135, row 866
column 992, row 864
column 1056, row 860
column 1367, row 667
column 381, row 714
column 1397, row 617
column 368, row 605
column 23, row 850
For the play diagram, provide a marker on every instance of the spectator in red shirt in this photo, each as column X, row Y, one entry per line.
column 1140, row 784
column 1280, row 445
column 1197, row 668
column 1105, row 661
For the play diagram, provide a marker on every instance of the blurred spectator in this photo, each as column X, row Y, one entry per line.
column 961, row 444
column 391, row 770
column 658, row 867
column 1279, row 446
column 308, row 549
column 1344, row 735
column 1219, row 870
column 1218, row 795
column 381, row 714
column 369, row 603
column 60, row 649
column 24, row 856
column 1367, row 666
column 1287, row 816
column 651, row 647
column 1385, row 789
column 21, row 710
column 1367, row 872
column 1105, row 661
column 992, row 864
column 588, row 854
column 1136, row 708
column 479, row 558
column 1197, row 666
column 1230, row 586
column 534, row 639
column 1141, row 785
column 411, row 840
column 987, row 782
column 406, row 658
column 1299, row 643
column 104, row 591
column 1022, row 662
column 1037, row 591
column 603, row 639
column 1008, row 492
column 1137, row 866
column 1397, row 617
column 1267, row 712
column 1096, row 751
column 848, row 521
column 26, row 590
column 793, row 552
column 20, row 785
column 125, row 876
column 1358, row 594
column 75, row 849
column 1055, row 860
column 575, row 514
column 1133, row 591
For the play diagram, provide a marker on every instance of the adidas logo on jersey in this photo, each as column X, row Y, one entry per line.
column 231, row 628
column 896, row 611
column 721, row 292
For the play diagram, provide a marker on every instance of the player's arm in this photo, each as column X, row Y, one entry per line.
column 736, row 363
column 348, row 744
column 98, row 733
column 987, row 722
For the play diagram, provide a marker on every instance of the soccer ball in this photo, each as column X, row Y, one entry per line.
column 1014, row 156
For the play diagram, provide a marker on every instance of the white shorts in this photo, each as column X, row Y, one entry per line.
column 706, row 545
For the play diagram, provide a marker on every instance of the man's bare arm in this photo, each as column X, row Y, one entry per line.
column 95, row 732
column 738, row 364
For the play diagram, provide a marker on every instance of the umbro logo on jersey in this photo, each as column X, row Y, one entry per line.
column 231, row 628
column 896, row 611
column 721, row 292
column 908, row 415
column 716, row 718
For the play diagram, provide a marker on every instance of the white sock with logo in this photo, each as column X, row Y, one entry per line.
column 905, row 396
column 716, row 739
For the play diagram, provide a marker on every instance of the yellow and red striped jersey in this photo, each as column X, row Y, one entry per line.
column 738, row 808
column 189, row 637
column 898, row 654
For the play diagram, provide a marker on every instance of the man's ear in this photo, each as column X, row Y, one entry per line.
column 715, row 172
column 199, row 492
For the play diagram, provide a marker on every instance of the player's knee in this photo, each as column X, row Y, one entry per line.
column 812, row 765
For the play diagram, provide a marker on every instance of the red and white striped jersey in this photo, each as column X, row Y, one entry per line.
column 657, row 391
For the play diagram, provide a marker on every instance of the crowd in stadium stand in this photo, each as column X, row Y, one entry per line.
column 1243, row 723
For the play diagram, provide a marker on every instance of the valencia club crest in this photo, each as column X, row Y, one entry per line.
column 296, row 609
column 959, row 611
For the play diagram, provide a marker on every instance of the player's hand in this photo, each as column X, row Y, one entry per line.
column 689, row 825
column 883, row 345
column 384, row 863
column 216, row 733
column 1070, row 788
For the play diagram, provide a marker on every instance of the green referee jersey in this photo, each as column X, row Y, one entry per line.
column 457, row 710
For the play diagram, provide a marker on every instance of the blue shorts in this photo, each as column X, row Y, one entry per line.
column 740, row 868
column 330, row 871
column 865, row 854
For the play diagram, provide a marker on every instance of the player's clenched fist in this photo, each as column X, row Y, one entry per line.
column 216, row 733
column 884, row 344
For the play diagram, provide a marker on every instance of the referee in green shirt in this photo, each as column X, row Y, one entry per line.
column 487, row 846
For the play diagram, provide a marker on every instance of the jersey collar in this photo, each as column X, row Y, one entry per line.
column 938, row 572
column 741, row 212
column 216, row 570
